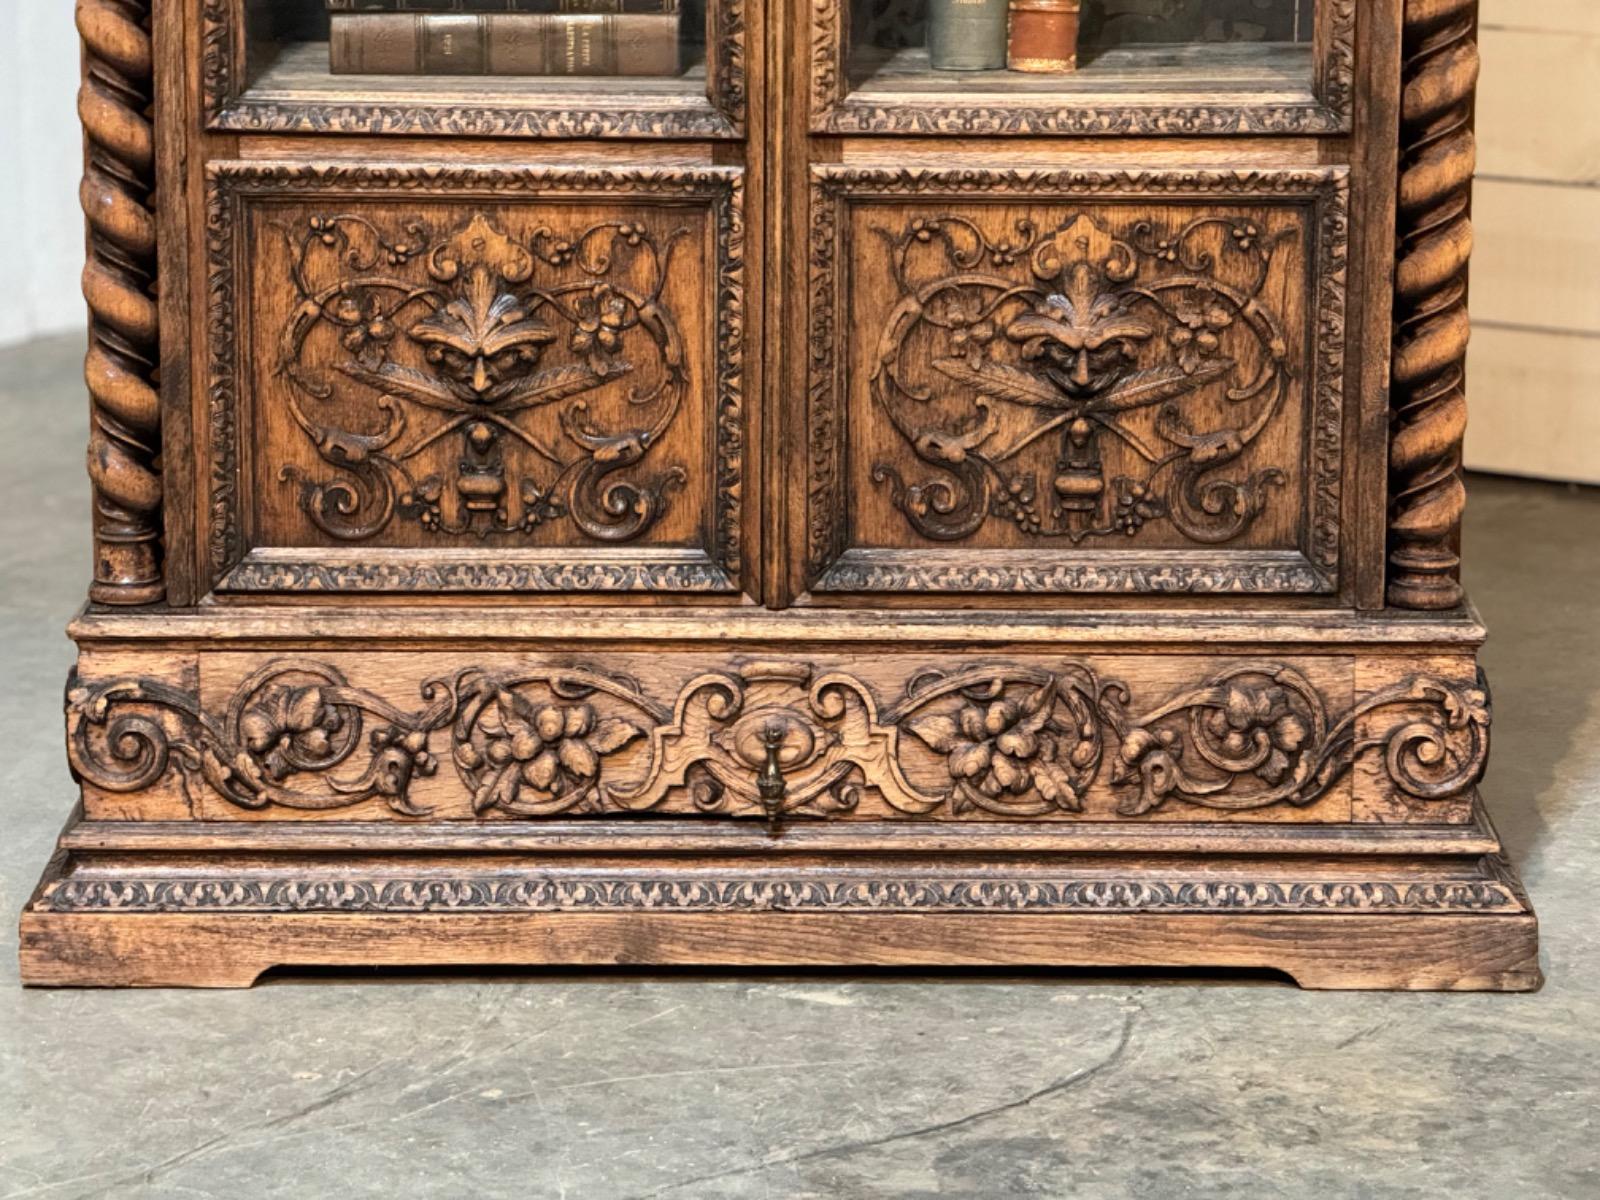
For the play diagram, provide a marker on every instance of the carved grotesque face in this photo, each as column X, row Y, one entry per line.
column 484, row 340
column 1083, row 352
column 1080, row 371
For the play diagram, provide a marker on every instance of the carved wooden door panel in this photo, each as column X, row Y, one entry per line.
column 425, row 378
column 1050, row 380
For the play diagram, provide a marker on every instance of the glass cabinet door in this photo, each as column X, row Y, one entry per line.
column 1083, row 66
column 539, row 68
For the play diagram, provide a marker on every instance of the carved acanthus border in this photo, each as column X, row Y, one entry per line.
column 1314, row 570
column 779, row 740
column 228, row 105
column 1330, row 111
column 115, row 105
column 231, row 184
column 1437, row 159
column 728, row 891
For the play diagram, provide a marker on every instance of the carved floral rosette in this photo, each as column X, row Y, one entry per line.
column 780, row 740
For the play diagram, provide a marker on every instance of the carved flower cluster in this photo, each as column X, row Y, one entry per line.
column 550, row 751
column 289, row 729
column 1198, row 334
column 1259, row 722
column 1249, row 728
column 1002, row 747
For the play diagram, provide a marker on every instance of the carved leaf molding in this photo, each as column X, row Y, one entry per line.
column 1014, row 741
column 731, row 891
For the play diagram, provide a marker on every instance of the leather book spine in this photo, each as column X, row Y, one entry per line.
column 966, row 35
column 1044, row 35
column 504, row 44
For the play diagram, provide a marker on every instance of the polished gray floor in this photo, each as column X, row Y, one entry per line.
column 711, row 1086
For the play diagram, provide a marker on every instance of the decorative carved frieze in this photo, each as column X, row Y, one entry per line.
column 731, row 891
column 1437, row 159
column 780, row 740
column 115, row 106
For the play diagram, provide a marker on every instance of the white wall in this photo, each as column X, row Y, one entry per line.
column 1533, row 386
column 40, row 161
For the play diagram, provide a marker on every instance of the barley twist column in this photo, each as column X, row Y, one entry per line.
column 115, row 105
column 1437, row 158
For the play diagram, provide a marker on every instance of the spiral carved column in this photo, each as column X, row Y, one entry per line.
column 115, row 106
column 1437, row 158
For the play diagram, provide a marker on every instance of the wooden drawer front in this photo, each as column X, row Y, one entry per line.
column 891, row 737
column 440, row 379
column 1052, row 381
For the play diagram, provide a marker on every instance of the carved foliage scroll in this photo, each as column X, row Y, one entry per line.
column 477, row 363
column 1437, row 159
column 115, row 105
column 780, row 740
column 1074, row 332
column 1123, row 364
column 448, row 336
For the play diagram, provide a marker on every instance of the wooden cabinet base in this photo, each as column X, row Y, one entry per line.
column 1294, row 791
column 1423, row 923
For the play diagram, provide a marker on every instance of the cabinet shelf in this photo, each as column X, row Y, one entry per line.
column 291, row 90
column 1255, row 73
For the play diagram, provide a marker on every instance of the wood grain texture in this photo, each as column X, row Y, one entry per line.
column 1450, row 953
column 1432, row 326
column 119, row 284
column 721, row 670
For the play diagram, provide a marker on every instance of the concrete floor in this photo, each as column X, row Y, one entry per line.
column 699, row 1087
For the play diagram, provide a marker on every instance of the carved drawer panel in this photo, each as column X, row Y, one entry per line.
column 430, row 378
column 1054, row 381
column 894, row 737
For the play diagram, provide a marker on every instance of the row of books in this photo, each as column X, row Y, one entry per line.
column 985, row 35
column 504, row 37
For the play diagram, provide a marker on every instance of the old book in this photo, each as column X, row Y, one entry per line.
column 966, row 35
column 1044, row 35
column 504, row 6
column 504, row 44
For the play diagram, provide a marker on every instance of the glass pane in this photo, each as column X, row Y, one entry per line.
column 644, row 47
column 950, row 47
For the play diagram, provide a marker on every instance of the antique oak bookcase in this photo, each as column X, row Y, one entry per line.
column 810, row 509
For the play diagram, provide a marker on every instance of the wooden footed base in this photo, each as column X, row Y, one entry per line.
column 1341, row 924
column 1284, row 791
column 1336, row 953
